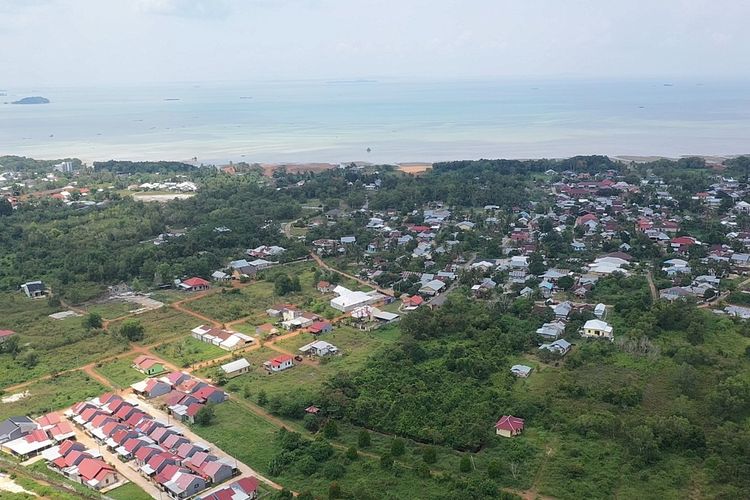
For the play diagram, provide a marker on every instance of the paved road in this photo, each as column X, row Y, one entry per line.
column 123, row 469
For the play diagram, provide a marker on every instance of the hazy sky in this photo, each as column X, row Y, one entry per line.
column 130, row 41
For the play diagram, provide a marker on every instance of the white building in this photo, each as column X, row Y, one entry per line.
column 596, row 328
column 349, row 300
column 236, row 367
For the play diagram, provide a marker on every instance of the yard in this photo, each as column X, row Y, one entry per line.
column 130, row 491
column 112, row 309
column 185, row 352
column 120, row 371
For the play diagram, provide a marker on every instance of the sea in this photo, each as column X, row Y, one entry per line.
column 380, row 121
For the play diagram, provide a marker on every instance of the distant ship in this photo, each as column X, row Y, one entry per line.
column 172, row 99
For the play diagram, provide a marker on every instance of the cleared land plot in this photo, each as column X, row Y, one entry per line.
column 57, row 345
column 253, row 300
column 53, row 394
column 162, row 324
column 112, row 309
column 185, row 352
column 120, row 371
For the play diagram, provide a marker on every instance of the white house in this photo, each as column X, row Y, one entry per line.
column 522, row 371
column 236, row 367
column 319, row 348
column 596, row 328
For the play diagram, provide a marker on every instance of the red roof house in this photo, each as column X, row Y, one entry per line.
column 509, row 426
column 195, row 284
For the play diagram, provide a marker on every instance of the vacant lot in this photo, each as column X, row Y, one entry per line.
column 252, row 301
column 120, row 371
column 54, row 394
column 47, row 345
column 185, row 352
column 162, row 324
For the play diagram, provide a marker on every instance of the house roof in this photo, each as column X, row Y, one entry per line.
column 278, row 360
column 235, row 365
column 94, row 469
column 510, row 423
column 193, row 282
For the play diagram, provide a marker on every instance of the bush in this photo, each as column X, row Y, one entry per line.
column 429, row 455
column 351, row 453
column 397, row 447
column 331, row 430
column 262, row 398
column 205, row 415
column 334, row 490
column 386, row 462
column 132, row 330
column 363, row 440
column 465, row 464
column 311, row 423
column 333, row 470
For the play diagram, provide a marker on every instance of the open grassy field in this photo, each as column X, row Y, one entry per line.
column 162, row 324
column 54, row 394
column 185, row 352
column 120, row 371
column 355, row 346
column 57, row 344
column 251, row 440
column 112, row 308
column 252, row 301
column 130, row 491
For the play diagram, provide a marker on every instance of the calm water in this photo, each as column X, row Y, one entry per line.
column 399, row 121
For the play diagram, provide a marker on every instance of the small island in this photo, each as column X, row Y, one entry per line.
column 32, row 100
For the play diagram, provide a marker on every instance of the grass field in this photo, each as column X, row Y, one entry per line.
column 162, row 324
column 355, row 346
column 185, row 352
column 120, row 371
column 54, row 394
column 112, row 309
column 130, row 491
column 251, row 440
column 58, row 344
column 252, row 301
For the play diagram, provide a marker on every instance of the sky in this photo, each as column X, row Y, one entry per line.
column 74, row 42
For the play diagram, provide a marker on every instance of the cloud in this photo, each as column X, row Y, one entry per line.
column 15, row 6
column 185, row 8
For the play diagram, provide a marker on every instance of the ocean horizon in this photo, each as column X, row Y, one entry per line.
column 379, row 121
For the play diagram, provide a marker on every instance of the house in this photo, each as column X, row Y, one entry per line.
column 411, row 303
column 596, row 328
column 562, row 310
column 509, row 426
column 600, row 310
column 348, row 240
column 559, row 346
column 34, row 289
column 324, row 287
column 16, row 427
column 348, row 300
column 242, row 489
column 266, row 330
column 29, row 445
column 235, row 368
column 226, row 339
column 319, row 348
column 551, row 331
column 279, row 363
column 432, row 287
column 216, row 471
column 210, row 394
column 151, row 388
column 319, row 327
column 221, row 276
column 674, row 293
column 522, row 371
column 148, row 365
column 5, row 335
column 96, row 473
column 194, row 285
